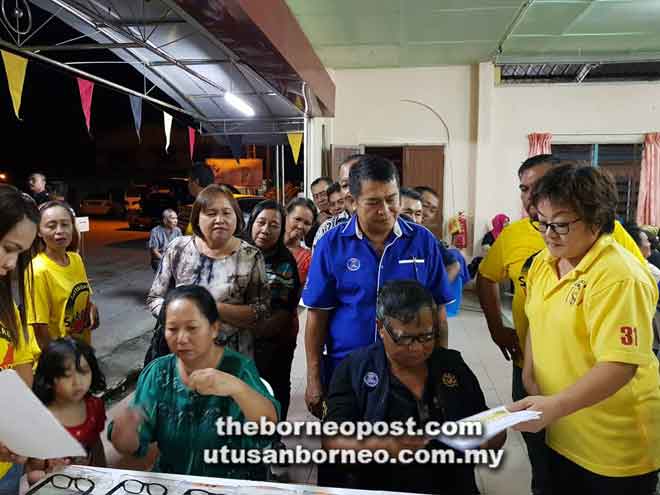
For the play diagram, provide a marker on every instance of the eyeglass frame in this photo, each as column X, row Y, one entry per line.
column 50, row 480
column 194, row 491
column 429, row 336
column 144, row 484
column 538, row 226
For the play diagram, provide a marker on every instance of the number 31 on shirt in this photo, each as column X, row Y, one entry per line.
column 628, row 336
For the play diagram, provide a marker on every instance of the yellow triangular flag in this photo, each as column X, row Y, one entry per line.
column 295, row 140
column 15, row 68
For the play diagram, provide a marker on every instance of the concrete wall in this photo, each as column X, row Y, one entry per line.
column 488, row 124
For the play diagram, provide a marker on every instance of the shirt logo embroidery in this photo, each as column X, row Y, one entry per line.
column 371, row 379
column 576, row 293
column 353, row 264
column 449, row 380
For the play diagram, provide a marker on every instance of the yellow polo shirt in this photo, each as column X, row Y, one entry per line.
column 61, row 297
column 601, row 311
column 511, row 257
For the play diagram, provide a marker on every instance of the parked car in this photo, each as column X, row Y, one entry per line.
column 132, row 198
column 151, row 210
column 101, row 205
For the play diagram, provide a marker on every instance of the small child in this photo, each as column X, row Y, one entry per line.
column 67, row 375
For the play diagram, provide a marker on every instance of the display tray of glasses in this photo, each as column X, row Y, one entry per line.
column 82, row 480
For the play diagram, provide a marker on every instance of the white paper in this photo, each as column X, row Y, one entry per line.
column 493, row 422
column 82, row 224
column 27, row 427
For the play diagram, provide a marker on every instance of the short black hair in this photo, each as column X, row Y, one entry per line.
column 333, row 189
column 198, row 295
column 327, row 180
column 535, row 161
column 403, row 300
column 425, row 189
column 305, row 203
column 589, row 191
column 266, row 204
column 52, row 365
column 407, row 192
column 371, row 167
column 634, row 231
column 202, row 174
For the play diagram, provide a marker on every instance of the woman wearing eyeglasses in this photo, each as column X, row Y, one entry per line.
column 589, row 367
column 402, row 378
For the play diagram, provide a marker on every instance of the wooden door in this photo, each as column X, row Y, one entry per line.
column 339, row 154
column 425, row 166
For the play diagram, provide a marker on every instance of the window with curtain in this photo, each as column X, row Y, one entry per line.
column 623, row 161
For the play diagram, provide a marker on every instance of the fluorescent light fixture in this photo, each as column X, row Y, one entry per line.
column 239, row 104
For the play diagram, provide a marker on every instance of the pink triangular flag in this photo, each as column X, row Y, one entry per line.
column 86, row 89
column 191, row 141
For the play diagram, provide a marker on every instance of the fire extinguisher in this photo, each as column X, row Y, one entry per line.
column 459, row 236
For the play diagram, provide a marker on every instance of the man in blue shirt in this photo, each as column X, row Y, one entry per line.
column 350, row 264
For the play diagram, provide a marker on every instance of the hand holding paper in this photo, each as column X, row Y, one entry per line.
column 28, row 428
column 493, row 422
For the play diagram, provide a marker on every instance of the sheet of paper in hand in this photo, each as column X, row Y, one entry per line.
column 27, row 427
column 492, row 422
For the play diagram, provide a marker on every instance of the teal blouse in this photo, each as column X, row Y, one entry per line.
column 182, row 422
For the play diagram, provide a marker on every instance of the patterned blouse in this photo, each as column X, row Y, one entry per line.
column 239, row 278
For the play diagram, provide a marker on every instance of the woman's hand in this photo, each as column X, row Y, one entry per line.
column 125, row 430
column 548, row 405
column 211, row 381
column 7, row 455
column 93, row 316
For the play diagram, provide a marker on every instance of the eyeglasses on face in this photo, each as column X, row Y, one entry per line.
column 559, row 228
column 408, row 340
column 137, row 487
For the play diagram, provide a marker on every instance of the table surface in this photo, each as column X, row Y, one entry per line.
column 105, row 479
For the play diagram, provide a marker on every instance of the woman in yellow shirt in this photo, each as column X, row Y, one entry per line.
column 61, row 305
column 589, row 367
column 19, row 218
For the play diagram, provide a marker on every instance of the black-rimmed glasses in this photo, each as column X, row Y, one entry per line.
column 137, row 487
column 422, row 338
column 559, row 228
column 64, row 482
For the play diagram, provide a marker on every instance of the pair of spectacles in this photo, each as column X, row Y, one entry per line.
column 559, row 228
column 64, row 482
column 422, row 338
column 137, row 487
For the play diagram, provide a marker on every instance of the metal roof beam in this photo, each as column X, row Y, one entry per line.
column 81, row 47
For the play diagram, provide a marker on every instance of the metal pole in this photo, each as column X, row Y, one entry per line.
column 12, row 48
column 277, row 172
column 283, row 178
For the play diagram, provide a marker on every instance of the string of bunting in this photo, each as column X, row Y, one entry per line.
column 16, row 68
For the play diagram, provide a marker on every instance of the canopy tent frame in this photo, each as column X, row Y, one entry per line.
column 154, row 36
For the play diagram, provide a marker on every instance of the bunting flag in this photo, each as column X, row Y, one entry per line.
column 295, row 140
column 235, row 142
column 191, row 141
column 136, row 108
column 86, row 89
column 167, row 118
column 15, row 67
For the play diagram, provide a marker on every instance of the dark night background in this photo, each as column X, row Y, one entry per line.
column 52, row 136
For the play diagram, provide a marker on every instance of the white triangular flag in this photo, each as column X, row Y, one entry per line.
column 167, row 118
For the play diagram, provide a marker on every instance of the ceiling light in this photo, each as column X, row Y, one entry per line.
column 239, row 104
